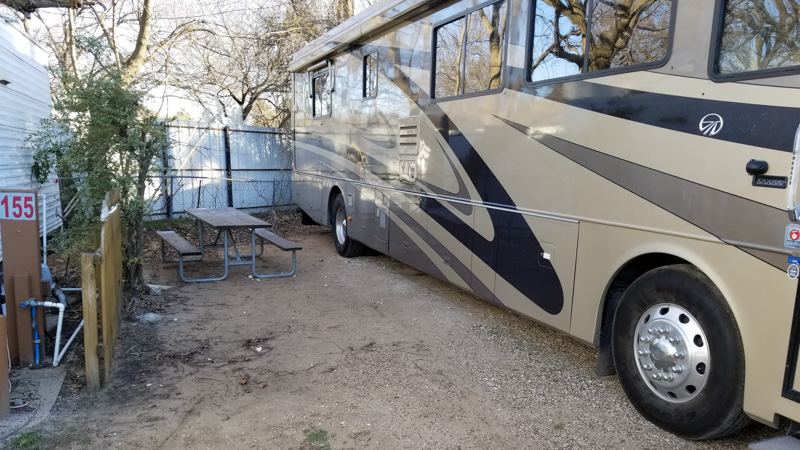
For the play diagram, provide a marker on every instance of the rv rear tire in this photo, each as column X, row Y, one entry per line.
column 678, row 353
column 344, row 245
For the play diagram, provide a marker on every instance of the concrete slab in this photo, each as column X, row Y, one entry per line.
column 788, row 442
column 36, row 390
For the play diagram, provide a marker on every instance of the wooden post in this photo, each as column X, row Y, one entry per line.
column 22, row 292
column 107, row 307
column 5, row 401
column 22, row 253
column 89, row 288
column 111, row 280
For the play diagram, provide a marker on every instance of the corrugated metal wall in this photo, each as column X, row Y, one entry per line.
column 24, row 101
column 245, row 167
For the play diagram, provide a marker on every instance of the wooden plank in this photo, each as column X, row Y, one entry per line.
column 177, row 242
column 213, row 217
column 276, row 240
column 22, row 292
column 89, row 289
column 110, row 287
column 5, row 401
column 11, row 325
column 226, row 218
column 116, row 224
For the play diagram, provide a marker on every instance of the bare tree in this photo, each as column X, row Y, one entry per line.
column 240, row 64
column 90, row 37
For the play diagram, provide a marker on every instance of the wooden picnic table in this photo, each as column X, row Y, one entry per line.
column 226, row 218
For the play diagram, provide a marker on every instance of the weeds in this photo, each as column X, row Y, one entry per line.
column 35, row 440
column 27, row 440
column 317, row 439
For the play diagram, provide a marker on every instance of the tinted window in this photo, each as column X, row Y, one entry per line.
column 449, row 53
column 623, row 33
column 370, row 76
column 321, row 93
column 627, row 37
column 759, row 35
column 559, row 34
column 469, row 52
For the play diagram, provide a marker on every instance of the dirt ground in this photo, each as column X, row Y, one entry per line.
column 363, row 353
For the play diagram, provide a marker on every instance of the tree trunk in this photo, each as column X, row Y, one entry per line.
column 139, row 55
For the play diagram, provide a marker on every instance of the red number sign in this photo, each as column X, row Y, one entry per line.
column 17, row 206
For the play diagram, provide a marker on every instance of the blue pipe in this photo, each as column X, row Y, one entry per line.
column 36, row 340
column 31, row 302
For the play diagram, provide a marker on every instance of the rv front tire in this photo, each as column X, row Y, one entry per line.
column 679, row 355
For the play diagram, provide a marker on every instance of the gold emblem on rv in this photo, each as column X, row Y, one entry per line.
column 711, row 124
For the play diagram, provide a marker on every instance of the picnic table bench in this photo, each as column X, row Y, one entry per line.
column 224, row 220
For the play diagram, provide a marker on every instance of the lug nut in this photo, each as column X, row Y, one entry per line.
column 656, row 376
column 651, row 331
column 674, row 340
column 644, row 352
column 647, row 366
column 666, row 330
column 644, row 339
column 679, row 355
column 669, row 377
column 677, row 369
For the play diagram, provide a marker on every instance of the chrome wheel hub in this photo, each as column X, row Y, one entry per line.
column 671, row 353
column 340, row 226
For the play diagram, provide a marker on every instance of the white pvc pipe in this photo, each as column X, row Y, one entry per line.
column 56, row 354
column 66, row 346
column 44, row 232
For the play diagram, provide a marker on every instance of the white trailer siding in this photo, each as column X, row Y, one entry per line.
column 24, row 102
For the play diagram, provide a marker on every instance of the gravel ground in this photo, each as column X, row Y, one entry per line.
column 348, row 354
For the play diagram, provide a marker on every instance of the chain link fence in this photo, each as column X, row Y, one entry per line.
column 248, row 168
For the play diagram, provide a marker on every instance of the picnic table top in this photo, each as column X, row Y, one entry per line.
column 226, row 218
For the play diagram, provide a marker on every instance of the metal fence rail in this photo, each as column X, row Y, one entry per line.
column 247, row 168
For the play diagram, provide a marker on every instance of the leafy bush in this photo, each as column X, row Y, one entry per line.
column 100, row 137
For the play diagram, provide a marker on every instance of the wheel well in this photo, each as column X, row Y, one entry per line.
column 627, row 275
column 331, row 197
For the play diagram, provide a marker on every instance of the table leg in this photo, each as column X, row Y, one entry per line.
column 200, row 280
column 235, row 249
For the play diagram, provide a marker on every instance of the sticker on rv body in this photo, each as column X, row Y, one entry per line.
column 792, row 238
column 711, row 124
column 793, row 271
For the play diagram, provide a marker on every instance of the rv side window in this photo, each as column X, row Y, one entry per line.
column 758, row 35
column 469, row 52
column 321, row 93
column 370, row 76
column 621, row 36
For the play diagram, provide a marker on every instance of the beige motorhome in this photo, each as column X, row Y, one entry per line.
column 624, row 171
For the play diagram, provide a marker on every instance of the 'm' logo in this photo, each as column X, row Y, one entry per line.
column 711, row 124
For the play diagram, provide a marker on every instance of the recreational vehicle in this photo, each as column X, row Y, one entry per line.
column 624, row 171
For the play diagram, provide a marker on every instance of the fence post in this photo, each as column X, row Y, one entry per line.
column 90, row 343
column 110, row 280
column 228, row 170
column 166, row 182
